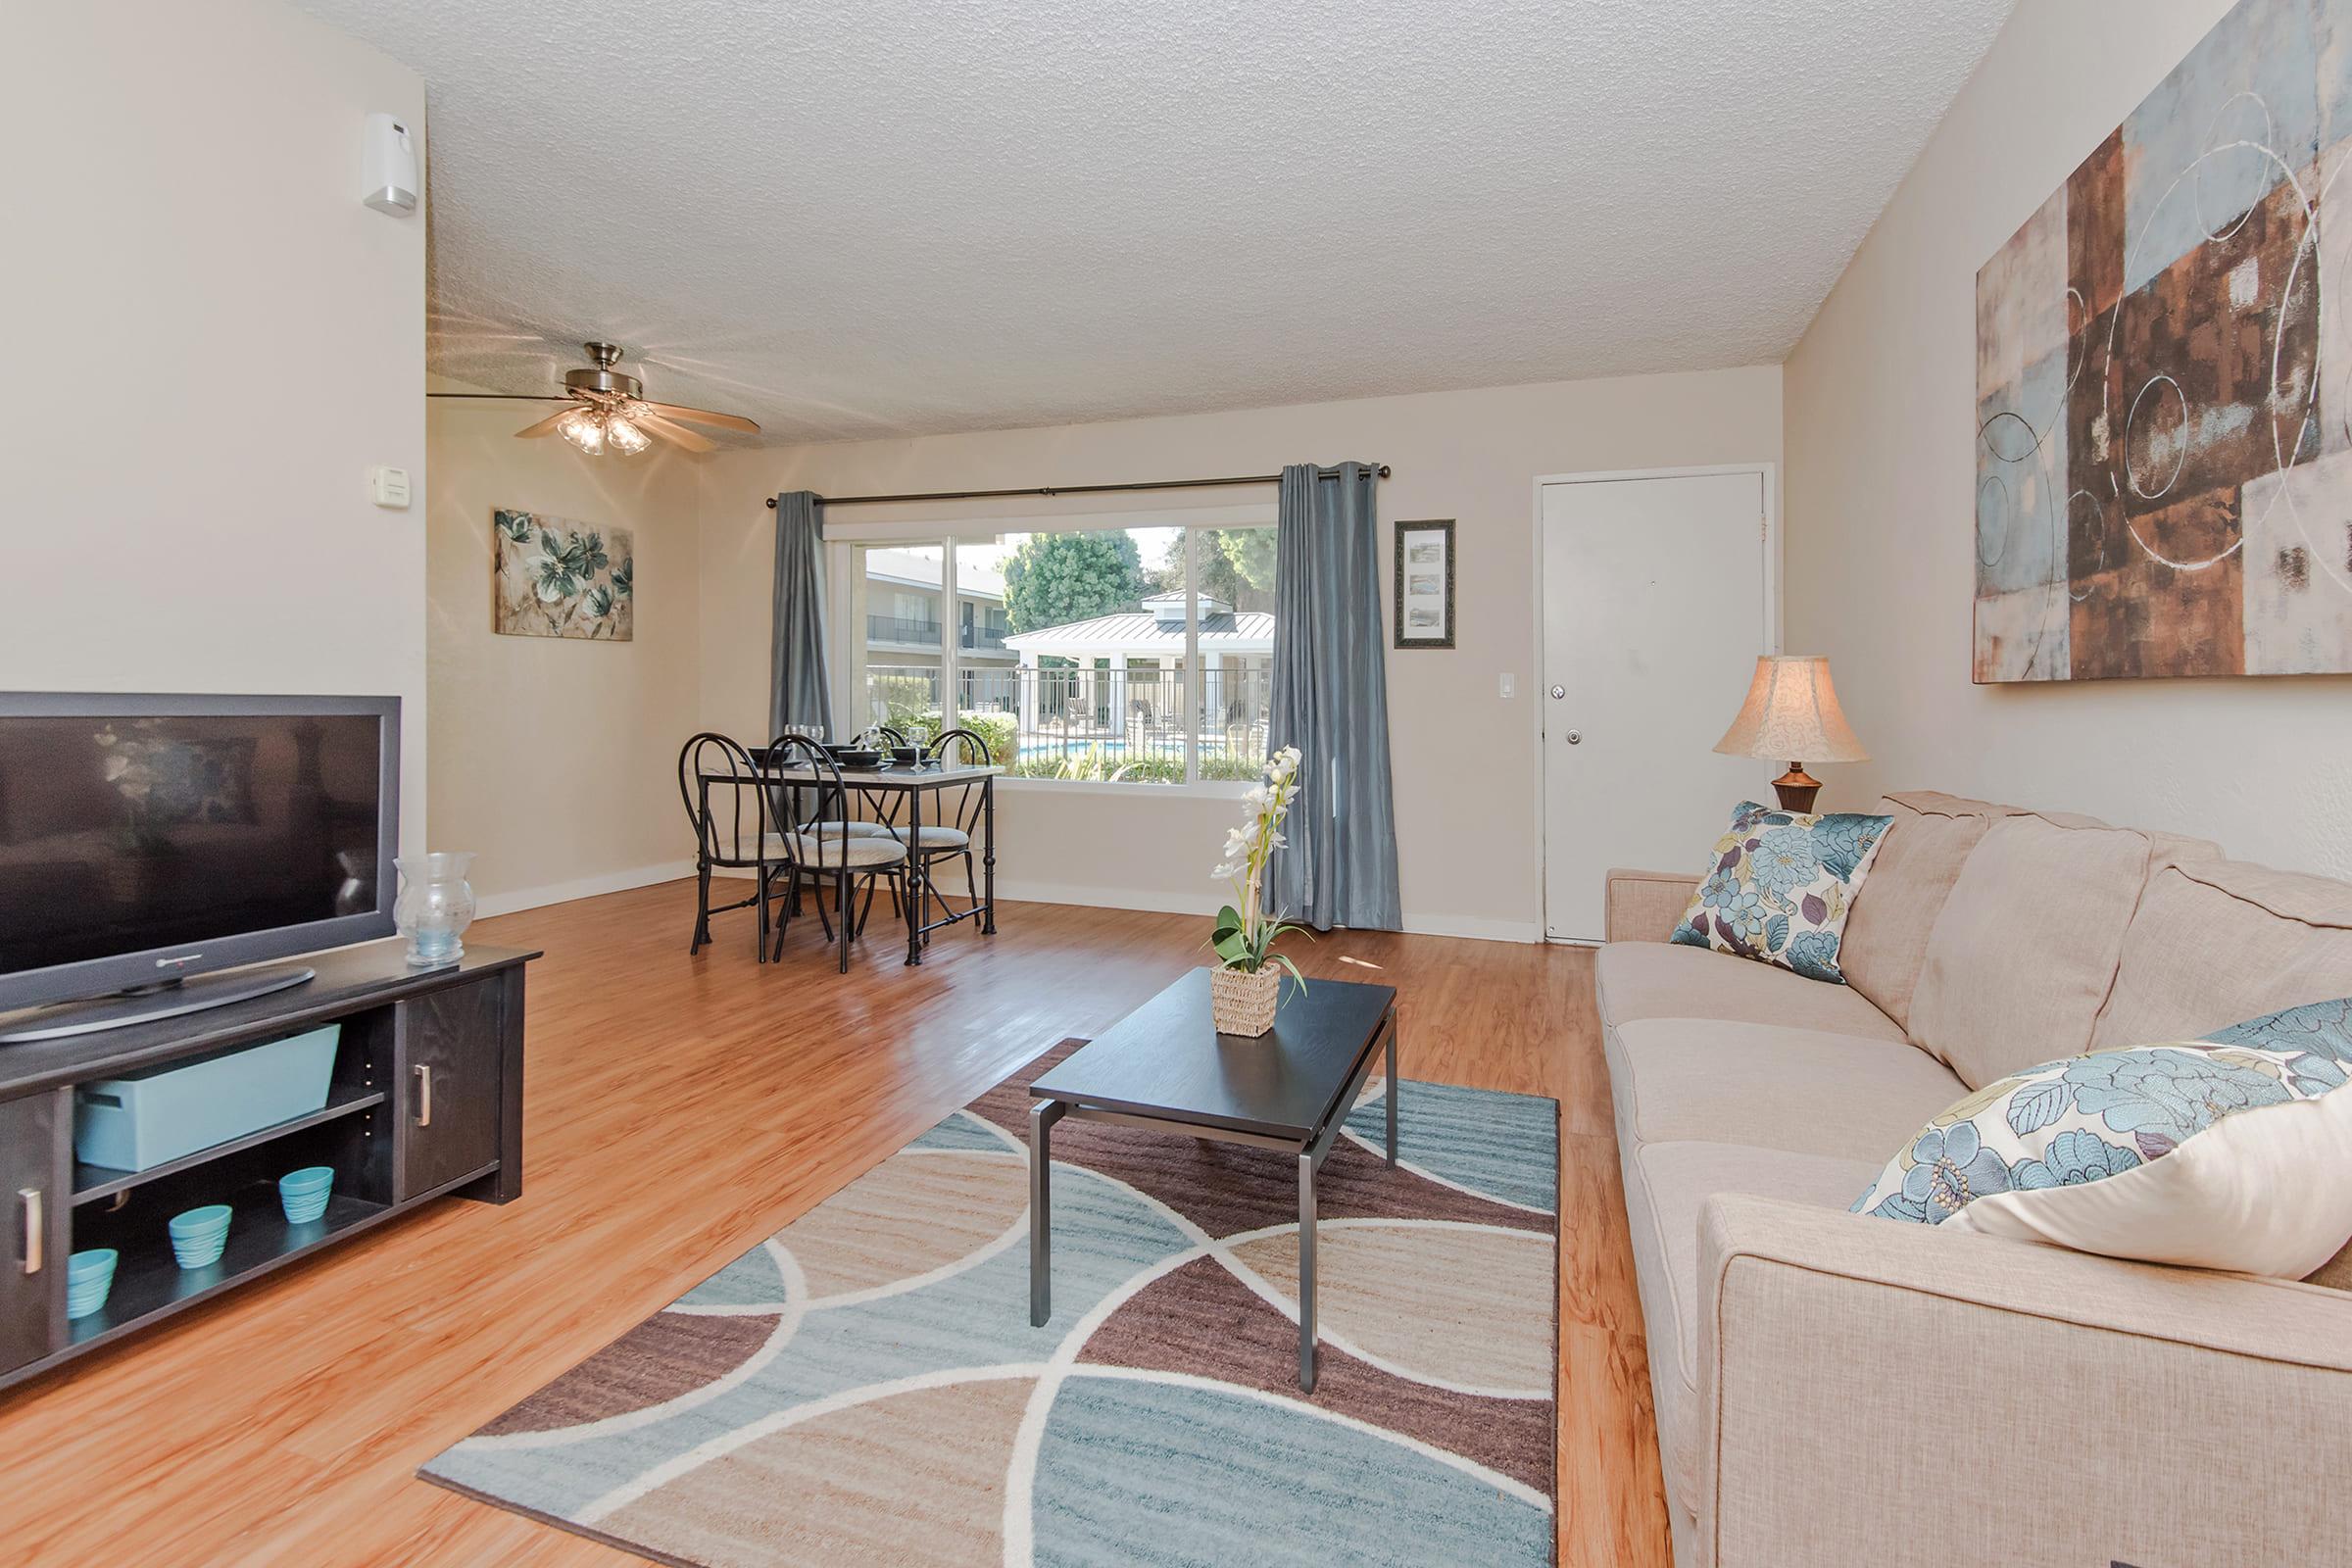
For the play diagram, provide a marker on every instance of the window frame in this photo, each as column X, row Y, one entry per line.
column 844, row 540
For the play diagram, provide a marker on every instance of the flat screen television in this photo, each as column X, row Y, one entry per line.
column 147, row 840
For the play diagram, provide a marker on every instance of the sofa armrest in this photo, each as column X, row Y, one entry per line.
column 1864, row 1382
column 1644, row 906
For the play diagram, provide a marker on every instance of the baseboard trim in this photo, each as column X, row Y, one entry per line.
column 1016, row 890
column 1436, row 926
column 587, row 887
column 1525, row 932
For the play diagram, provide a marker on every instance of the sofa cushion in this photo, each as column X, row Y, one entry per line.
column 1798, row 1090
column 2024, row 951
column 2216, row 941
column 1887, row 932
column 1665, row 1184
column 1935, row 803
column 1655, row 980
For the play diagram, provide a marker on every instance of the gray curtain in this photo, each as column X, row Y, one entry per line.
column 1331, row 700
column 798, row 692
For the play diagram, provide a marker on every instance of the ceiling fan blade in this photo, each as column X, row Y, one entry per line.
column 676, row 434
column 725, row 422
column 546, row 426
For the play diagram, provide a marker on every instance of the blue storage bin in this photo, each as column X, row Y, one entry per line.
column 149, row 1118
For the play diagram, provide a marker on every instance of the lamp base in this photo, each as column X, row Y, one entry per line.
column 1798, row 788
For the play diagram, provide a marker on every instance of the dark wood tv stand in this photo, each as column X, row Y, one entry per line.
column 426, row 1101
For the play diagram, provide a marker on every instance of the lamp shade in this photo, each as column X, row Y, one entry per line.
column 1791, row 714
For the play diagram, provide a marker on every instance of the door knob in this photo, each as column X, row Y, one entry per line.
column 1576, row 737
column 1558, row 692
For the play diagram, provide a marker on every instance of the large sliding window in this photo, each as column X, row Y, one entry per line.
column 1102, row 654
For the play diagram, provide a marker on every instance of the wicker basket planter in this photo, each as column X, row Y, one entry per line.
column 1241, row 1001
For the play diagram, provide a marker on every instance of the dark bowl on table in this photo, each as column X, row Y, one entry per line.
column 857, row 757
column 905, row 756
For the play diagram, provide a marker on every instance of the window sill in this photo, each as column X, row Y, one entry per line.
column 1205, row 790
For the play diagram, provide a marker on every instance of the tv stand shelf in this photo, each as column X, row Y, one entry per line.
column 425, row 1102
column 93, row 1182
column 154, row 1286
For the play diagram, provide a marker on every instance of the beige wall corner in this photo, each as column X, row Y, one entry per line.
column 1881, row 493
column 555, row 760
column 212, row 341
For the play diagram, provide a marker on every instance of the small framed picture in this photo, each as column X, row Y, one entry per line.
column 1425, row 584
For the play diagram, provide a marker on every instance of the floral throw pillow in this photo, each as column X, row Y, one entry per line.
column 2225, row 1152
column 1778, row 888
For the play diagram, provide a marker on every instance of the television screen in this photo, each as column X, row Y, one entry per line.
column 130, row 832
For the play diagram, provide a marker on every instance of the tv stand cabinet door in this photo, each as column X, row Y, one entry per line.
column 450, row 1047
column 35, row 1134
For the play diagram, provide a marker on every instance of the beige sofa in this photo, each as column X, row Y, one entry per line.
column 1836, row 1388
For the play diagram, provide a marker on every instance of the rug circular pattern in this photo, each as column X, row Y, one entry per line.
column 865, row 1385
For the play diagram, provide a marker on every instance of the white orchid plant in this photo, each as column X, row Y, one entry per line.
column 1245, row 932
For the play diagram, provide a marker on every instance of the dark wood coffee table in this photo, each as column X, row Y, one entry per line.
column 1165, row 1068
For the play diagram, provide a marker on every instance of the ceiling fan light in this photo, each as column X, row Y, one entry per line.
column 625, row 437
column 583, row 430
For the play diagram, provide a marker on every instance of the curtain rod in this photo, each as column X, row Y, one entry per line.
column 1068, row 489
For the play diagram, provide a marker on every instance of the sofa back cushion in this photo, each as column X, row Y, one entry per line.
column 2025, row 950
column 2215, row 941
column 1895, row 912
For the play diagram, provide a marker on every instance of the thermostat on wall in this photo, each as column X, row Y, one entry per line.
column 389, row 488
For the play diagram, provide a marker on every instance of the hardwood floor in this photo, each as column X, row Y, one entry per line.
column 678, row 1110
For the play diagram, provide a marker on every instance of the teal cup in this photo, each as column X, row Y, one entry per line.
column 89, row 1280
column 201, row 1234
column 302, row 1194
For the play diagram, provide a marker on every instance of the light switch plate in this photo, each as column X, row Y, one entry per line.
column 389, row 488
column 1511, row 684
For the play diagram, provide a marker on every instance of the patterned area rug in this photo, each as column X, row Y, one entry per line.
column 864, row 1386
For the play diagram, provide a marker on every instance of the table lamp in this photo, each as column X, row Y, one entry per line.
column 1791, row 712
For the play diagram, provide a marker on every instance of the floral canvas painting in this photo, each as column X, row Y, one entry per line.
column 2163, row 447
column 557, row 578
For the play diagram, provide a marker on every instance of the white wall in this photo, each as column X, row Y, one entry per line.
column 1881, row 493
column 209, row 341
column 1464, row 758
column 554, row 759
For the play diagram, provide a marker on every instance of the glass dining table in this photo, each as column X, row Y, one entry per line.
column 884, row 790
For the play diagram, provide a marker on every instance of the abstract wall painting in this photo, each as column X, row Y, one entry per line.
column 556, row 578
column 2163, row 380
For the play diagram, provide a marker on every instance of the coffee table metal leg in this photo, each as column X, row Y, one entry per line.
column 1306, row 1271
column 1395, row 1089
column 1042, row 1118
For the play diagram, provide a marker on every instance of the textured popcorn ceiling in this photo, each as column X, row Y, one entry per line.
column 855, row 218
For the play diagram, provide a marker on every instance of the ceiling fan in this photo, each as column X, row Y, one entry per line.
column 609, row 412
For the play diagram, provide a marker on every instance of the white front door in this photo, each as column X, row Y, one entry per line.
column 1656, row 601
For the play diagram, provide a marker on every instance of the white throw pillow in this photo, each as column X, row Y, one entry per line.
column 2229, row 1157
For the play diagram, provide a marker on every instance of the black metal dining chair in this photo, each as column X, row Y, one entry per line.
column 822, row 855
column 719, row 782
column 830, row 812
column 951, row 839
